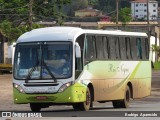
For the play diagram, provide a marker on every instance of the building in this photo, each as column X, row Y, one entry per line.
column 105, row 18
column 139, row 9
column 3, row 49
column 88, row 12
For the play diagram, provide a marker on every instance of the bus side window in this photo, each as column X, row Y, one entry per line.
column 99, row 47
column 147, row 48
column 117, row 47
column 123, row 48
column 79, row 61
column 133, row 48
column 106, row 47
column 90, row 48
column 144, row 49
column 139, row 48
column 112, row 47
column 1, row 58
column 128, row 48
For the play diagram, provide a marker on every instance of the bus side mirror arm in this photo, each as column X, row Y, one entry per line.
column 77, row 50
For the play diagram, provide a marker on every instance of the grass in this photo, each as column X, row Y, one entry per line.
column 157, row 66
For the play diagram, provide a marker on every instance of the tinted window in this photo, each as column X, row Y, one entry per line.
column 139, row 48
column 133, row 48
column 106, row 47
column 128, row 48
column 90, row 48
column 123, row 48
column 112, row 43
column 99, row 47
column 147, row 48
column 117, row 47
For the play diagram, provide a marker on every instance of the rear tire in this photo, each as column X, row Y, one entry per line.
column 84, row 106
column 127, row 98
column 35, row 107
column 123, row 103
column 116, row 104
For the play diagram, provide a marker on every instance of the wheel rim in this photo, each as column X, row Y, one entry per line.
column 88, row 98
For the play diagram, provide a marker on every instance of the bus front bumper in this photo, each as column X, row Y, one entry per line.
column 73, row 94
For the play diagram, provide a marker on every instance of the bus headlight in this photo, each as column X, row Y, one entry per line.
column 65, row 86
column 19, row 88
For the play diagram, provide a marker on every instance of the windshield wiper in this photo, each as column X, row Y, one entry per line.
column 31, row 71
column 55, row 80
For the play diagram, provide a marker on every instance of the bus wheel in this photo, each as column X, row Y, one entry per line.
column 84, row 106
column 127, row 99
column 123, row 103
column 35, row 107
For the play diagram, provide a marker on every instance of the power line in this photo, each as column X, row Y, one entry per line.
column 20, row 19
column 11, row 9
column 13, row 14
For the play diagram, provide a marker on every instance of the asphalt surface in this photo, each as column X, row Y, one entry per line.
column 149, row 105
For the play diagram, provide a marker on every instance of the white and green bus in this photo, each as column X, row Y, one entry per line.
column 74, row 66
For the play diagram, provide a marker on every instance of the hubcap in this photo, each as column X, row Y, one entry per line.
column 88, row 98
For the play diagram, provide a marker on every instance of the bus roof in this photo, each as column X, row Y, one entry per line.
column 68, row 34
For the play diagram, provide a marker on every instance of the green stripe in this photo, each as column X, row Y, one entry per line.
column 135, row 71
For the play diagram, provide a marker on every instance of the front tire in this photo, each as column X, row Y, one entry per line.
column 35, row 107
column 84, row 106
column 125, row 102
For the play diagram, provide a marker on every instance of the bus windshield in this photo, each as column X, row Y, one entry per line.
column 43, row 60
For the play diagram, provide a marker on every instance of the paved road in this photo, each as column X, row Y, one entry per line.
column 150, row 103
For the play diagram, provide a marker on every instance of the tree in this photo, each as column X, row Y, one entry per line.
column 125, row 15
column 93, row 2
column 125, row 3
column 106, row 6
column 15, row 12
column 156, row 49
column 12, row 32
column 53, row 11
column 75, row 5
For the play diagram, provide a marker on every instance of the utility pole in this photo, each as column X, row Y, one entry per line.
column 30, row 14
column 148, row 25
column 117, row 11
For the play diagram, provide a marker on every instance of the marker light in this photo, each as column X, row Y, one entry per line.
column 65, row 86
column 18, row 87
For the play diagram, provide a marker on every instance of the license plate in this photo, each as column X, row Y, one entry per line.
column 41, row 97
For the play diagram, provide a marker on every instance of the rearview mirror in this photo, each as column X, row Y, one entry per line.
column 78, row 50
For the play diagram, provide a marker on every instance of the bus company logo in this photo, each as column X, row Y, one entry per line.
column 120, row 68
column 6, row 114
